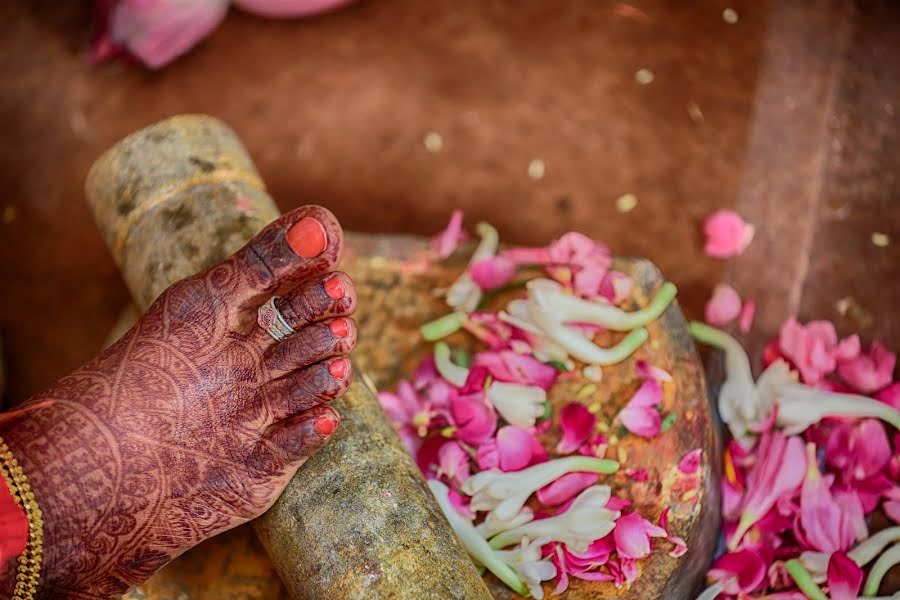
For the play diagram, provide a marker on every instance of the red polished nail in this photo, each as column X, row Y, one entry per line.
column 325, row 425
column 339, row 367
column 334, row 287
column 339, row 328
column 307, row 237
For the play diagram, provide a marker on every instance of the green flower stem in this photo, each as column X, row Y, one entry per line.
column 474, row 544
column 442, row 327
column 880, row 568
column 804, row 580
column 866, row 552
column 451, row 372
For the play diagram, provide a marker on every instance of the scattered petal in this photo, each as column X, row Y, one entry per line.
column 447, row 241
column 690, row 464
column 745, row 319
column 724, row 306
column 640, row 416
column 727, row 234
column 566, row 487
column 577, row 424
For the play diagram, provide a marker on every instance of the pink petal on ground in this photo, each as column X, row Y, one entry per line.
column 641, row 475
column 724, row 306
column 844, row 577
column 629, row 570
column 680, row 546
column 595, row 446
column 616, row 503
column 820, row 515
column 474, row 418
column 690, row 464
column 892, row 510
column 645, row 370
column 616, row 287
column 727, row 234
column 513, row 367
column 494, row 272
column 858, row 451
column 461, row 504
column 159, row 32
column 640, row 416
column 577, row 424
column 486, row 456
column 745, row 319
column 593, row 576
column 741, row 571
column 289, row 8
column 453, row 463
column 867, row 373
column 587, row 279
column 566, row 487
column 427, row 454
column 514, row 446
column 446, row 242
column 890, row 395
column 811, row 348
column 575, row 248
column 632, row 535
column 779, row 471
column 562, row 570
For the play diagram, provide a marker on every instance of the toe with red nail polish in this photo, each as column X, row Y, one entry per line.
column 334, row 287
column 307, row 237
column 326, row 425
column 339, row 367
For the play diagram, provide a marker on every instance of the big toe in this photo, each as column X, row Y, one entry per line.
column 303, row 243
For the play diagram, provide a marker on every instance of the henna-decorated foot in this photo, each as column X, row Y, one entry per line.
column 196, row 419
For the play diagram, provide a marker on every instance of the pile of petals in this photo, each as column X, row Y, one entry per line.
column 814, row 455
column 532, row 511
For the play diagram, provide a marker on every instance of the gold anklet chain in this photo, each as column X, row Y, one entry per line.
column 28, row 569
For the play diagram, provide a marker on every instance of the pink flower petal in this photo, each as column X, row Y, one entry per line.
column 587, row 280
column 491, row 273
column 727, row 234
column 461, row 504
column 632, row 535
column 616, row 287
column 640, row 416
column 427, row 455
column 595, row 446
column 616, row 503
column 814, row 349
column 566, row 487
column 641, row 475
column 741, row 571
column 577, row 424
column 453, row 463
column 858, row 451
column 779, row 471
column 690, row 464
column 446, row 242
column 724, row 306
column 820, row 516
column 645, row 370
column 890, row 395
column 514, row 446
column 289, row 8
column 892, row 510
column 512, row 367
column 474, row 418
column 562, row 571
column 745, row 319
column 867, row 373
column 844, row 577
column 159, row 32
column 486, row 457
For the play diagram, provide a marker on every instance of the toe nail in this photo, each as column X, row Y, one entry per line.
column 307, row 237
column 339, row 367
column 325, row 425
column 339, row 328
column 334, row 287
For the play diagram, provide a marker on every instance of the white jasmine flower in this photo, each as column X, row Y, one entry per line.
column 506, row 493
column 519, row 404
column 586, row 521
column 527, row 563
